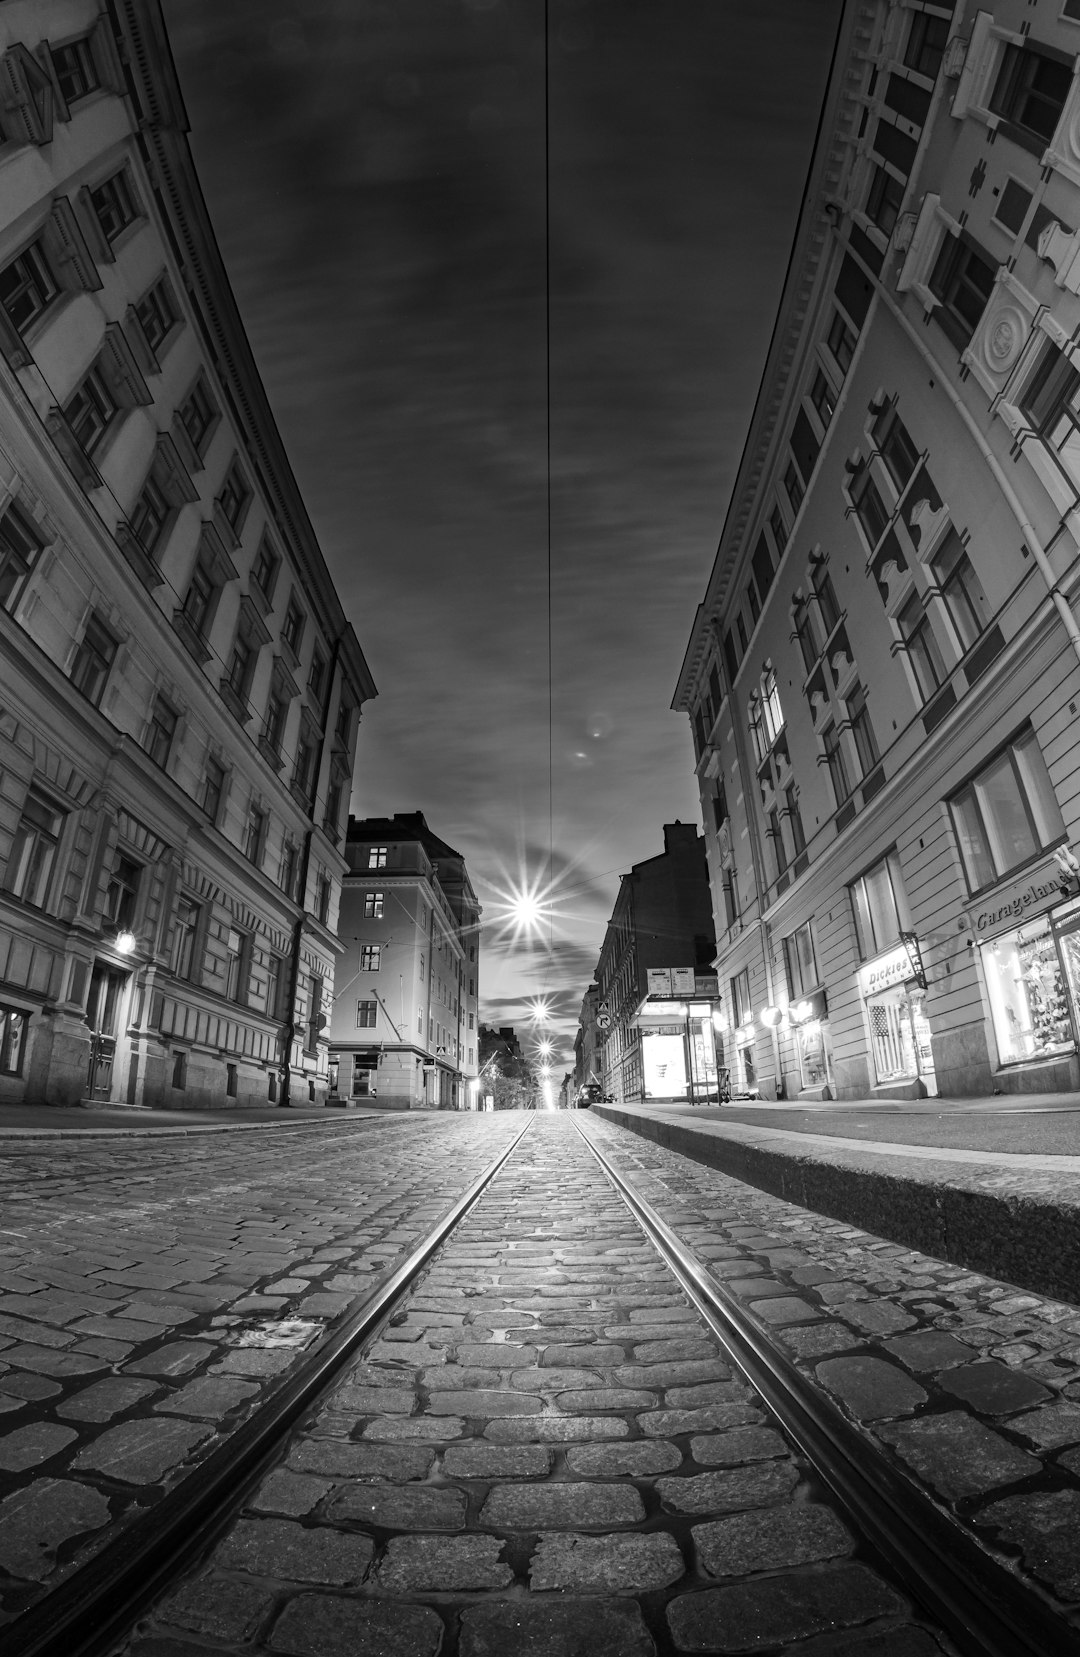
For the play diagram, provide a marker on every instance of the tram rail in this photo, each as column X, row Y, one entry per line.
column 985, row 1608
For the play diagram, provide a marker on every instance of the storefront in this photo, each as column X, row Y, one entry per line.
column 678, row 1047
column 901, row 1051
column 809, row 1018
column 1028, row 938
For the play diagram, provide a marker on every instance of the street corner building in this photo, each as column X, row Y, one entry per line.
column 181, row 689
column 884, row 675
column 404, row 1027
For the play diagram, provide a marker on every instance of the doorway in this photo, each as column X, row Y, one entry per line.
column 107, row 986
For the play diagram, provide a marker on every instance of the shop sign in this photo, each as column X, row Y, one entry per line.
column 1002, row 909
column 682, row 980
column 886, row 971
column 659, row 980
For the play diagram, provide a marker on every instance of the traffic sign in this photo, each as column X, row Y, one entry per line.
column 603, row 1021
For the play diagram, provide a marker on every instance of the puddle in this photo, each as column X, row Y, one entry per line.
column 276, row 1332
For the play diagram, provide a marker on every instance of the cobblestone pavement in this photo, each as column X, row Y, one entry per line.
column 152, row 1290
column 544, row 1455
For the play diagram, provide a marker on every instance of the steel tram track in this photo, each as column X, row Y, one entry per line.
column 984, row 1609
column 85, row 1615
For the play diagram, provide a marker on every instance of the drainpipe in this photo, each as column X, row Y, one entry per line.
column 288, row 1030
column 1027, row 529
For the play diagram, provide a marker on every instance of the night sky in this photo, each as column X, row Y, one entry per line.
column 375, row 172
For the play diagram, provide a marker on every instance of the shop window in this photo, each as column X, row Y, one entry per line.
column 880, row 907
column 366, row 1014
column 373, row 905
column 370, row 957
column 1007, row 813
column 961, row 281
column 93, row 660
column 1030, row 92
column 923, row 652
column 802, row 972
column 926, row 43
column 34, row 849
column 184, row 960
column 20, row 545
column 1027, row 992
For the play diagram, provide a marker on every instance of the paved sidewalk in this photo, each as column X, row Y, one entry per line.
column 1010, row 1214
column 121, row 1121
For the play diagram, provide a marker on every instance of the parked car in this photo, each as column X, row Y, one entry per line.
column 590, row 1093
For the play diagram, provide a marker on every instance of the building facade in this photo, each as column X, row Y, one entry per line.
column 884, row 674
column 647, row 1042
column 404, row 1028
column 181, row 689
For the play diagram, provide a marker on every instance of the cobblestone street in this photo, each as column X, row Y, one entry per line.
column 545, row 1451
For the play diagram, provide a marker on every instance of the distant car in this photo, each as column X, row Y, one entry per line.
column 590, row 1093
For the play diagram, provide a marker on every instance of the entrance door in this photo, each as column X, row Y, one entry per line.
column 103, row 1016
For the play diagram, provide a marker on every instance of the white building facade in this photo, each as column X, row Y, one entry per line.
column 884, row 675
column 181, row 689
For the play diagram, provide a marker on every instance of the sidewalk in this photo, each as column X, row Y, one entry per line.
column 1013, row 1215
column 124, row 1122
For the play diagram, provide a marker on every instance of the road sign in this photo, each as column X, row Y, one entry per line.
column 603, row 1021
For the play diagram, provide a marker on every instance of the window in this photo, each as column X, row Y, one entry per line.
column 802, row 972
column 1030, row 91
column 731, row 897
column 264, row 569
column 254, row 833
column 861, row 730
column 185, row 929
column 921, row 646
column 317, row 675
column 366, row 1014
column 93, row 660
column 161, row 731
column 377, row 857
column 841, row 342
column 234, row 497
column 240, row 666
column 75, row 69
column 322, row 898
column 825, row 594
column 332, row 814
column 34, row 848
column 90, row 411
column 777, row 837
column 794, row 816
column 880, row 907
column 289, row 862
column 779, row 531
column 179, row 1070
column 1007, row 813
column 213, row 788
column 373, row 906
column 421, row 969
column 114, row 206
column 157, row 314
column 742, row 1008
column 834, row 759
column 27, row 286
column 315, row 1016
column 277, row 710
column 967, row 604
column 122, row 893
column 198, row 416
column 823, row 397
column 1052, row 405
column 20, row 544
column 292, row 630
column 274, row 966
column 200, row 601
column 237, row 945
column 884, row 200
column 962, row 280
column 926, row 43
column 231, row 1081
column 793, row 483
column 370, row 957
column 14, row 1024
column 869, row 506
column 304, row 770
column 804, row 632
column 899, row 453
column 150, row 516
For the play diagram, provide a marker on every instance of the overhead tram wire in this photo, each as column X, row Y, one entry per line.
column 547, row 411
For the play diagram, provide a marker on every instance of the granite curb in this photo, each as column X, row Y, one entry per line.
column 985, row 1214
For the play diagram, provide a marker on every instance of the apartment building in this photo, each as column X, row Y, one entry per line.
column 404, row 1030
column 884, row 674
column 181, row 687
column 649, row 1018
